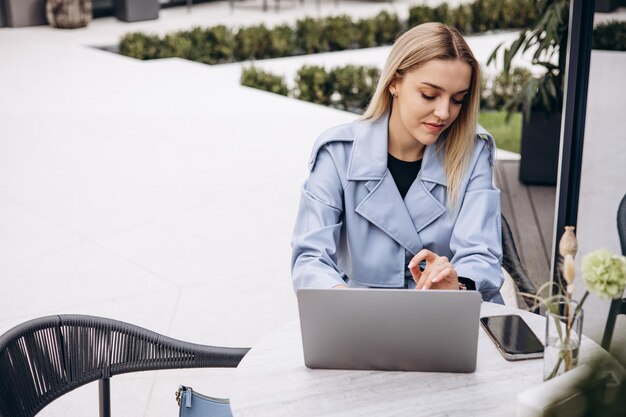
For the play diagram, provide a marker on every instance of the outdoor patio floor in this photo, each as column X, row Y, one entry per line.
column 529, row 209
column 163, row 193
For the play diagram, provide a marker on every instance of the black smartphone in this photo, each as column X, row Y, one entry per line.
column 512, row 336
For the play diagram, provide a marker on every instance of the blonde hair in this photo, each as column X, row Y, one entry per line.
column 413, row 49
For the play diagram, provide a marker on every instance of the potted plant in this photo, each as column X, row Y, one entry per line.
column 69, row 14
column 604, row 274
column 541, row 97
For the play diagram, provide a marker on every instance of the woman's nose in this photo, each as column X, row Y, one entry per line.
column 442, row 111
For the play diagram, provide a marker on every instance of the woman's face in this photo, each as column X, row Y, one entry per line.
column 427, row 101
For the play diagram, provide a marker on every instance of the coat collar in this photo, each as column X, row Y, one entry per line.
column 368, row 160
column 383, row 205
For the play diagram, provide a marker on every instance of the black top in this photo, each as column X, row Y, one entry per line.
column 403, row 172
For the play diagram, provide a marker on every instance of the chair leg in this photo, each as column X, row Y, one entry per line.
column 614, row 310
column 104, row 389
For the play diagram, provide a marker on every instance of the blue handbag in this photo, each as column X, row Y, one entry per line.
column 193, row 404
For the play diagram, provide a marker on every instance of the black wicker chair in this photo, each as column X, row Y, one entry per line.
column 512, row 263
column 44, row 358
column 618, row 306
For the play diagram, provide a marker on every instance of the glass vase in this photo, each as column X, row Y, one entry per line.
column 564, row 324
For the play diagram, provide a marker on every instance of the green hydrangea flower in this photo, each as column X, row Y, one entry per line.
column 604, row 273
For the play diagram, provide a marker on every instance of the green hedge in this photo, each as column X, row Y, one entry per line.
column 495, row 95
column 141, row 46
column 610, row 36
column 348, row 88
column 219, row 44
column 256, row 78
column 479, row 16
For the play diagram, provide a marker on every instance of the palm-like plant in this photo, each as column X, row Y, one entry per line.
column 549, row 37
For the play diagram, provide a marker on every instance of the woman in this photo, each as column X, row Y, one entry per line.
column 403, row 197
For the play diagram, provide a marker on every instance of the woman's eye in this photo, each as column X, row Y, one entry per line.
column 427, row 97
column 457, row 101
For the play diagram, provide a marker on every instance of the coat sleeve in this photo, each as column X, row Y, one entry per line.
column 318, row 226
column 477, row 236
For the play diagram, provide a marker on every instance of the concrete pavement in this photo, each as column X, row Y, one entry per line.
column 160, row 193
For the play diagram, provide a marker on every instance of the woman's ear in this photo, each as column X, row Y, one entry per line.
column 393, row 85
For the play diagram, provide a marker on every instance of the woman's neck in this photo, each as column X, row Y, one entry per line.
column 401, row 144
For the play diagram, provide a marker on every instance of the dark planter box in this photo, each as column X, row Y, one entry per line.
column 541, row 135
column 3, row 15
column 605, row 6
column 20, row 13
column 136, row 10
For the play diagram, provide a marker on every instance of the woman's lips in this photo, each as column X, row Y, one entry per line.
column 435, row 128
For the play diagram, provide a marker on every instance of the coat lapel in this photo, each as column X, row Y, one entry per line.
column 383, row 206
column 422, row 206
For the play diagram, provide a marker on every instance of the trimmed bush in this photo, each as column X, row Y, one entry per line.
column 257, row 78
column 139, row 45
column 178, row 45
column 349, row 88
column 485, row 89
column 310, row 36
column 441, row 13
column 462, row 19
column 483, row 12
column 504, row 87
column 218, row 44
column 503, row 14
column 479, row 16
column 355, row 86
column 252, row 42
column 339, row 33
column 387, row 28
column 610, row 36
column 314, row 84
column 518, row 14
column 212, row 45
column 419, row 15
column 282, row 41
column 366, row 29
column 184, row 44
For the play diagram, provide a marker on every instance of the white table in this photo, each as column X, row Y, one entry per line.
column 272, row 380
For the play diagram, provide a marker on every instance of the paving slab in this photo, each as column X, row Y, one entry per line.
column 160, row 193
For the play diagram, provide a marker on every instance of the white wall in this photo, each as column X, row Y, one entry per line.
column 603, row 182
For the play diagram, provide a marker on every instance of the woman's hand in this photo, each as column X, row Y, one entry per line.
column 439, row 273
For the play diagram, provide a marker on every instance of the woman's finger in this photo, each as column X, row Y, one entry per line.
column 415, row 272
column 433, row 271
column 442, row 275
column 423, row 255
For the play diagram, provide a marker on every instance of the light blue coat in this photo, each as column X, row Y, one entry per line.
column 353, row 225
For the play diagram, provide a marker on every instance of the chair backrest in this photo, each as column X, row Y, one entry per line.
column 512, row 263
column 618, row 306
column 44, row 358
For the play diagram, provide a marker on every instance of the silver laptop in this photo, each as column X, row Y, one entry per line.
column 395, row 330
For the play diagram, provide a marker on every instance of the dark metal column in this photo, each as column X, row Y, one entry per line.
column 580, row 34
